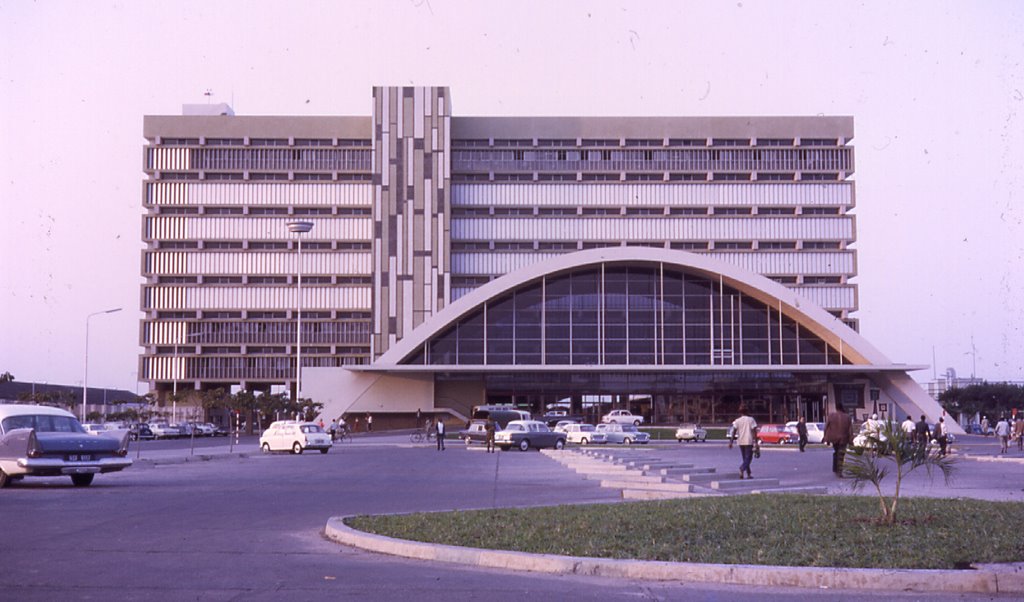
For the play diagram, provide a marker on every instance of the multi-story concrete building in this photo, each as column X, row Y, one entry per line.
column 684, row 263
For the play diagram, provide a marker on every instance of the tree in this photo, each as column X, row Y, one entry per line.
column 892, row 449
column 6, row 377
column 990, row 399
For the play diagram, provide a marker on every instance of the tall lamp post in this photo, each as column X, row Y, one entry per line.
column 299, row 228
column 85, row 378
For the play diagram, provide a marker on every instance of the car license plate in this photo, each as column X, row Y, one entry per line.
column 79, row 457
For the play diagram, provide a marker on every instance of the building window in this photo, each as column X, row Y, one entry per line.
column 687, row 210
column 732, row 245
column 513, row 211
column 177, row 280
column 500, row 245
column 732, row 210
column 557, row 211
column 262, row 176
column 774, row 142
column 179, row 210
column 312, row 211
column 317, row 245
column 222, row 244
column 776, row 244
column 688, row 245
column 354, row 211
column 776, row 210
column 820, row 177
column 213, row 176
column 268, row 142
column 268, row 280
column 471, row 246
column 601, row 211
column 556, row 246
column 645, row 211
column 818, row 142
column 223, row 210
column 783, row 279
column 775, row 177
column 821, row 211
column 600, row 244
column 730, row 142
column 222, row 280
column 355, row 280
column 731, row 177
column 268, row 211
column 267, row 245
column 179, row 244
column 822, row 244
column 822, row 280
column 354, row 246
column 224, row 142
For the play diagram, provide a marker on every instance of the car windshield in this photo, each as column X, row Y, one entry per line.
column 43, row 423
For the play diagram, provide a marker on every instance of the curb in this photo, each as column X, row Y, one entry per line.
column 986, row 578
column 150, row 462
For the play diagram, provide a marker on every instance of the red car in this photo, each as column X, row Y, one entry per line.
column 775, row 433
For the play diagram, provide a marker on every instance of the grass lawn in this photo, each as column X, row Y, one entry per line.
column 792, row 530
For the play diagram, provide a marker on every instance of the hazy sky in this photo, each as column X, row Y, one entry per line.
column 936, row 90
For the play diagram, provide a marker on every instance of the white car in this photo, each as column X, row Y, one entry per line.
column 815, row 431
column 625, row 434
column 622, row 417
column 563, row 424
column 294, row 436
column 583, row 434
column 203, row 429
column 162, row 430
column 691, row 432
column 95, row 429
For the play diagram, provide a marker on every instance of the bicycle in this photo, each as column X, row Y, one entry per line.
column 342, row 436
column 419, row 435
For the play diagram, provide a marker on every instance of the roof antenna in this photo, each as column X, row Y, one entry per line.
column 208, row 94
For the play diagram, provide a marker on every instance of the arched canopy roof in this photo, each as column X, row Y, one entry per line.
column 843, row 348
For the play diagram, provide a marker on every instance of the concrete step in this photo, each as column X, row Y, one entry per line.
column 679, row 472
column 618, row 484
column 807, row 490
column 699, row 477
column 646, row 494
column 630, row 477
column 661, row 465
column 727, row 485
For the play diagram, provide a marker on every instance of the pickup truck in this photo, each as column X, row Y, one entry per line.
column 622, row 417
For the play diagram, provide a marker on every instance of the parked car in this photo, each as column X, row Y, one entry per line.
column 622, row 417
column 583, row 434
column 561, row 425
column 294, row 436
column 162, row 430
column 625, row 434
column 140, row 430
column 47, row 442
column 94, row 428
column 776, row 433
column 691, row 432
column 476, row 432
column 525, row 434
column 221, row 431
column 815, row 431
column 202, row 429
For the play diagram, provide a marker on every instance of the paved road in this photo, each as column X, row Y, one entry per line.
column 251, row 527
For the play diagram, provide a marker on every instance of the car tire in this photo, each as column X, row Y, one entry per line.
column 324, row 450
column 468, row 441
column 636, row 423
column 584, row 441
column 82, row 480
column 4, row 479
column 266, row 448
column 680, row 440
column 524, row 445
column 559, row 443
column 296, row 448
column 627, row 441
column 506, row 447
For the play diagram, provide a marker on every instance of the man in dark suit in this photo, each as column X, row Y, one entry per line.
column 838, row 432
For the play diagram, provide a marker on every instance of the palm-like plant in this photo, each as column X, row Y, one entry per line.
column 891, row 449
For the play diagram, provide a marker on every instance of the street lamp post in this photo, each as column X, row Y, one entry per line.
column 299, row 228
column 85, row 378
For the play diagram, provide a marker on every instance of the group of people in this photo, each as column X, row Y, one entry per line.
column 839, row 434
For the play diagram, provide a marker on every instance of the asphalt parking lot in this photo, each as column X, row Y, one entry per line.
column 231, row 527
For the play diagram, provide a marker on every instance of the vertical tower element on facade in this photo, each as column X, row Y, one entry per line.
column 411, row 140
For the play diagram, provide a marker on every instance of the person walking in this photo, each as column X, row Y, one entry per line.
column 369, row 423
column 922, row 434
column 439, row 430
column 801, row 431
column 489, row 429
column 908, row 427
column 940, row 435
column 1018, row 432
column 744, row 432
column 839, row 433
column 1003, row 432
column 984, row 425
column 333, row 429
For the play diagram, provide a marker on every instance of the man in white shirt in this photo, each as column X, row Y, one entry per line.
column 908, row 428
column 1003, row 432
column 744, row 432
